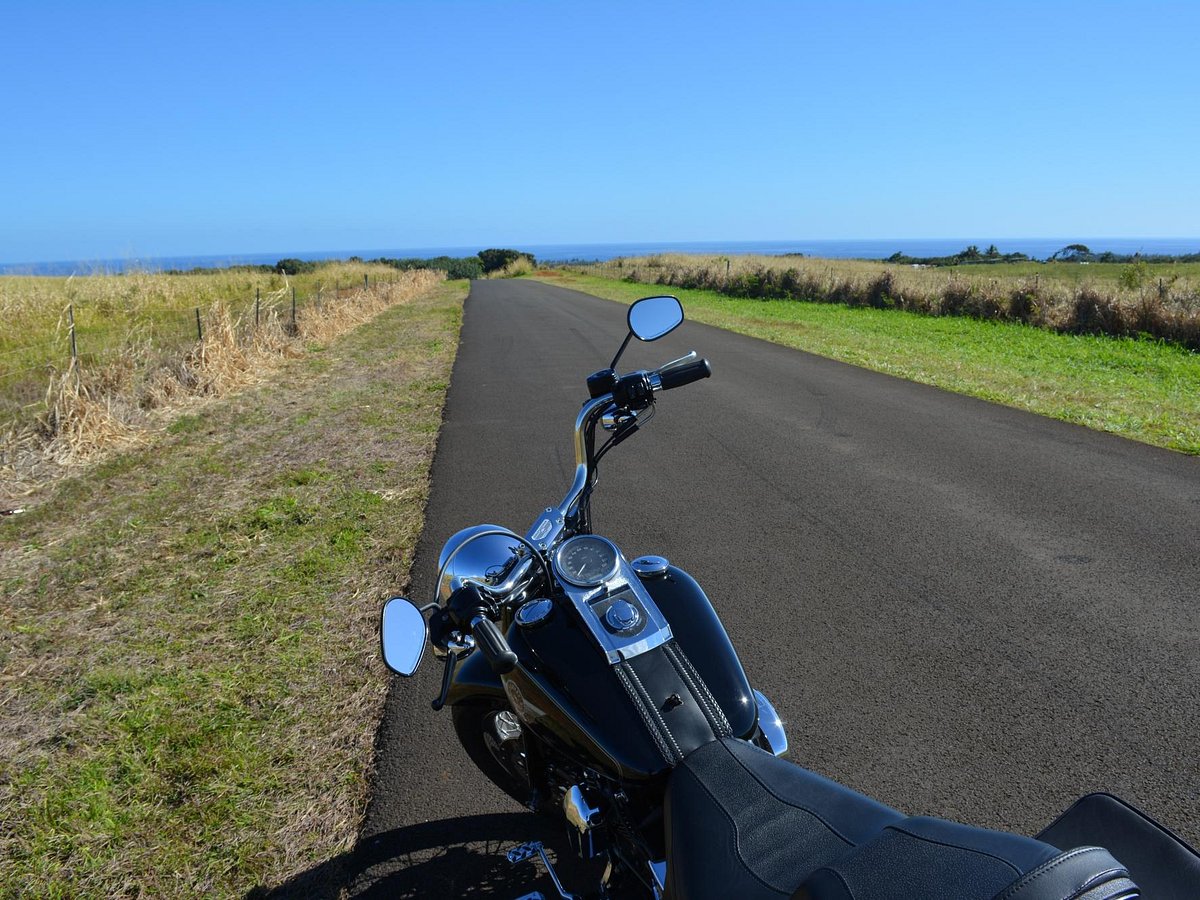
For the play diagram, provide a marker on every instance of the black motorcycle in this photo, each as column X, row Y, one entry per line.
column 607, row 692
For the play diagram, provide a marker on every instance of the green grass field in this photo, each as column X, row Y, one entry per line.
column 1139, row 389
column 189, row 683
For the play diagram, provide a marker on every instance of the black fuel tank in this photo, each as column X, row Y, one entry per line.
column 639, row 718
column 698, row 629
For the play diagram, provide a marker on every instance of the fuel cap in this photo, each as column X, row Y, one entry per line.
column 650, row 566
column 622, row 616
column 534, row 613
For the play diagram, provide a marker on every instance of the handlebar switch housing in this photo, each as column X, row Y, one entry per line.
column 601, row 383
column 633, row 391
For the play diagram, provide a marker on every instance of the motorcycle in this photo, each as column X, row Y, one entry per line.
column 606, row 692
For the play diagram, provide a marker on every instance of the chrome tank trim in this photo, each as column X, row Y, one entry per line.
column 771, row 725
column 593, row 603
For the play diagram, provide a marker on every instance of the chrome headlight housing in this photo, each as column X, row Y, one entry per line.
column 488, row 556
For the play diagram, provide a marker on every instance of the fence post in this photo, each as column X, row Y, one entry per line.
column 71, row 319
column 366, row 284
column 257, row 300
column 74, row 347
column 293, row 306
column 199, row 330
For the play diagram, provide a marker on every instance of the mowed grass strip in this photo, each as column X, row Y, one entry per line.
column 1139, row 389
column 189, row 674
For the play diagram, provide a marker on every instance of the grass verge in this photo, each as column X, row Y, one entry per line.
column 189, row 683
column 1139, row 389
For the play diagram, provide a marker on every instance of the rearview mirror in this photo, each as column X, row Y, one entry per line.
column 653, row 317
column 402, row 633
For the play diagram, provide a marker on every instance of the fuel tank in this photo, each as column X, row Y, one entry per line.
column 637, row 718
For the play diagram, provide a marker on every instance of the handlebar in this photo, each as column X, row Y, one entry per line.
column 678, row 376
column 493, row 645
column 636, row 390
column 674, row 374
column 467, row 607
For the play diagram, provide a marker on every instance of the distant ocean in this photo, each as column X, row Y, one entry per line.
column 1038, row 248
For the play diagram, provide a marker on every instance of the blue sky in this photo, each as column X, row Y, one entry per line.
column 179, row 128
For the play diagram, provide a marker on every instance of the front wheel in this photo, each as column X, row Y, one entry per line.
column 495, row 741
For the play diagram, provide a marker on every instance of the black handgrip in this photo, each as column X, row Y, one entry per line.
column 493, row 645
column 674, row 378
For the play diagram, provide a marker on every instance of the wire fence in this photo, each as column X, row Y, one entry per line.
column 27, row 371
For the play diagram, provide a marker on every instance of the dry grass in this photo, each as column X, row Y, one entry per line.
column 189, row 672
column 1160, row 302
column 134, row 316
column 522, row 265
column 116, row 400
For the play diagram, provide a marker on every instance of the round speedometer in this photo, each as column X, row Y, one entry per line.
column 586, row 560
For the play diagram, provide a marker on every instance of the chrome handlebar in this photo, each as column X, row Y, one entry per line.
column 546, row 531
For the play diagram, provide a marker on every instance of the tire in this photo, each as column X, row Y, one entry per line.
column 473, row 725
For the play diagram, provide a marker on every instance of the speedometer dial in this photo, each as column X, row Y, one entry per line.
column 586, row 560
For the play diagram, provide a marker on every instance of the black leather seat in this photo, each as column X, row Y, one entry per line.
column 742, row 823
column 1164, row 866
column 922, row 857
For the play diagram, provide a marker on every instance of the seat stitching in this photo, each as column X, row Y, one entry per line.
column 708, row 704
column 1045, row 867
column 655, row 735
column 653, row 710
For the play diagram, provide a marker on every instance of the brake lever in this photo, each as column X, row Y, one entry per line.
column 457, row 649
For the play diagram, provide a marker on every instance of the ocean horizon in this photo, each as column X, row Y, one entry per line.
column 873, row 248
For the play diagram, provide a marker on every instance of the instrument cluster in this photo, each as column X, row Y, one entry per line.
column 587, row 560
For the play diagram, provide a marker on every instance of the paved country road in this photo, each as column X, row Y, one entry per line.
column 960, row 609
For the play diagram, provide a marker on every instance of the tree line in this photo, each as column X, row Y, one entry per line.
column 1077, row 253
column 483, row 263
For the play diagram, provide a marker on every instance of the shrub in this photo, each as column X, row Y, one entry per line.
column 522, row 265
column 494, row 260
column 467, row 267
column 881, row 292
column 291, row 266
column 1093, row 313
column 1134, row 275
column 1025, row 305
column 453, row 266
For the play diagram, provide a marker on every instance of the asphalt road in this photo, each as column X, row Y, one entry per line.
column 960, row 609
